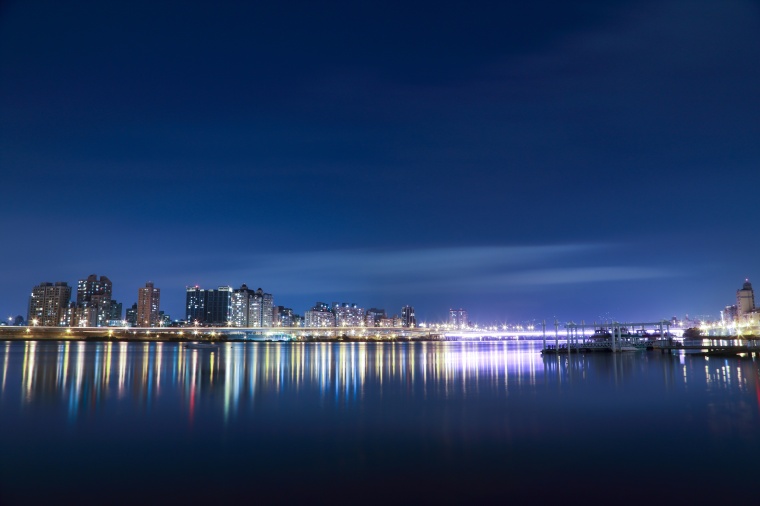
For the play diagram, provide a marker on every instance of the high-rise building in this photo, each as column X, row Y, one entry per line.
column 408, row 319
column 373, row 317
column 218, row 306
column 93, row 302
column 458, row 318
column 284, row 317
column 319, row 316
column 48, row 304
column 241, row 301
column 348, row 315
column 115, row 311
column 195, row 305
column 93, row 286
column 745, row 299
column 209, row 307
column 267, row 308
column 148, row 302
column 131, row 315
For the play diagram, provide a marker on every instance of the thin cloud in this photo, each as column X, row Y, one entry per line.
column 489, row 268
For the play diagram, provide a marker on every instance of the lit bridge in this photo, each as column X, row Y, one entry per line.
column 270, row 333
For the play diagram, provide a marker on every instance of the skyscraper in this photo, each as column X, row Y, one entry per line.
column 407, row 317
column 218, row 306
column 48, row 304
column 93, row 302
column 148, row 301
column 458, row 318
column 195, row 305
column 745, row 299
column 209, row 307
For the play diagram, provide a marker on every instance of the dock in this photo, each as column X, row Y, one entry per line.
column 631, row 337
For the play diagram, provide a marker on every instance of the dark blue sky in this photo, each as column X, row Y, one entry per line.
column 519, row 159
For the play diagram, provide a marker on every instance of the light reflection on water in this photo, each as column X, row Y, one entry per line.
column 85, row 374
column 462, row 418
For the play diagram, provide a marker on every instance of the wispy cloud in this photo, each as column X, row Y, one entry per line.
column 488, row 268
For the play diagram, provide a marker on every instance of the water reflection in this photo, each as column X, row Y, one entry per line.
column 83, row 375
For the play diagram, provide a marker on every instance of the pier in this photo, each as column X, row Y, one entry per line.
column 640, row 336
column 615, row 337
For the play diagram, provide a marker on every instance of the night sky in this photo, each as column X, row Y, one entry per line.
column 522, row 160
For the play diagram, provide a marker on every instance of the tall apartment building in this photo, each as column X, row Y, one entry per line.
column 252, row 308
column 130, row 316
column 458, row 318
column 266, row 309
column 195, row 305
column 93, row 306
column 408, row 319
column 319, row 316
column 745, row 299
column 48, row 304
column 209, row 307
column 348, row 315
column 241, row 306
column 373, row 317
column 284, row 317
column 148, row 302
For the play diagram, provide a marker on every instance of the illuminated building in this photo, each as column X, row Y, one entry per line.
column 458, row 318
column 195, row 304
column 241, row 306
column 373, row 317
column 267, row 308
column 730, row 314
column 745, row 299
column 260, row 309
column 284, row 317
column 114, row 313
column 348, row 315
column 93, row 302
column 148, row 301
column 394, row 322
column 218, row 306
column 251, row 308
column 48, row 304
column 208, row 307
column 131, row 315
column 408, row 319
column 319, row 316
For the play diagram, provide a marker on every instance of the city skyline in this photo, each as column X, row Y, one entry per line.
column 521, row 161
column 244, row 307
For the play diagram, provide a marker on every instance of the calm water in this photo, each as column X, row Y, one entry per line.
column 347, row 423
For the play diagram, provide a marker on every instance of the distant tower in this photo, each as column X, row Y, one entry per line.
column 148, row 300
column 458, row 318
column 745, row 299
column 407, row 317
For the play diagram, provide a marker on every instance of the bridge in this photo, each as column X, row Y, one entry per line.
column 436, row 332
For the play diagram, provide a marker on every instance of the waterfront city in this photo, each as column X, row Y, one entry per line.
column 50, row 304
column 379, row 253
